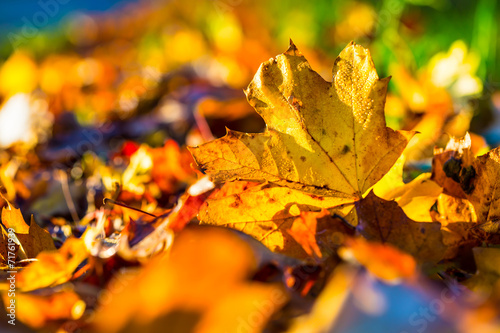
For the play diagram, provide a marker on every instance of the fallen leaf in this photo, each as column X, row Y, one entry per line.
column 385, row 222
column 183, row 289
column 53, row 267
column 13, row 219
column 266, row 212
column 316, row 232
column 38, row 310
column 416, row 198
column 382, row 260
column 483, row 194
column 323, row 147
column 451, row 167
column 36, row 241
column 322, row 140
column 170, row 165
column 451, row 209
column 473, row 178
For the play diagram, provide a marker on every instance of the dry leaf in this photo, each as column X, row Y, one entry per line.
column 37, row 310
column 473, row 178
column 321, row 137
column 54, row 267
column 318, row 232
column 415, row 198
column 452, row 167
column 36, row 241
column 13, row 219
column 382, row 260
column 184, row 290
column 325, row 144
column 385, row 222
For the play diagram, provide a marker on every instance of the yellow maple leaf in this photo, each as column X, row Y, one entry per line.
column 327, row 138
column 326, row 143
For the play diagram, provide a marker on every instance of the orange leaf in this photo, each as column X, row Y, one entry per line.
column 313, row 228
column 38, row 310
column 201, row 285
column 53, row 267
column 382, row 260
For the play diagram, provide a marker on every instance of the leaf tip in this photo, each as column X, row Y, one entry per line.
column 292, row 49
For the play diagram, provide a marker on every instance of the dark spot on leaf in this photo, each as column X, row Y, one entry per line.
column 317, row 197
column 236, row 203
column 303, row 158
column 272, row 200
column 345, row 150
column 466, row 179
column 422, row 230
column 452, row 168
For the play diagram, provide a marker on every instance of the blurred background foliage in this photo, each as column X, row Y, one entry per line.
column 189, row 61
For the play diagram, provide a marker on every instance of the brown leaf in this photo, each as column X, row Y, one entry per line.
column 385, row 222
column 471, row 178
column 36, row 241
column 452, row 167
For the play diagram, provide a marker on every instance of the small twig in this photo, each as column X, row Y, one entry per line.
column 63, row 179
column 118, row 203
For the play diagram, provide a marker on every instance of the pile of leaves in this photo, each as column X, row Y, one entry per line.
column 307, row 226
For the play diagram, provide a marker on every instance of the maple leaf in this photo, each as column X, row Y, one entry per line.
column 385, row 222
column 321, row 137
column 326, row 143
column 31, row 238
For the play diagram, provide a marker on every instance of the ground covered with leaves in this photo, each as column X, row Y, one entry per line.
column 143, row 189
